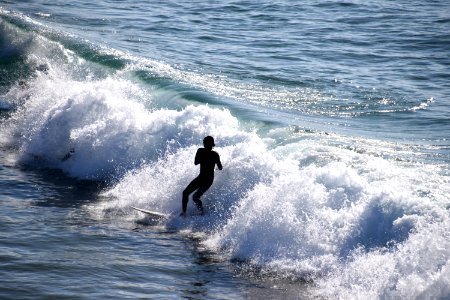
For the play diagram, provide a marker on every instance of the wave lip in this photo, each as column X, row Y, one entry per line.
column 106, row 128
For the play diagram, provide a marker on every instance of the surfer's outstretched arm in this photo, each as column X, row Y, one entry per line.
column 219, row 164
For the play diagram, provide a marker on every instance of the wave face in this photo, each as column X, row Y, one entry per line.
column 360, row 217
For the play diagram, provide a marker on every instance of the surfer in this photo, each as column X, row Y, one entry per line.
column 208, row 159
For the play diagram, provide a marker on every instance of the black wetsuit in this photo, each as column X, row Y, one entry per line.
column 207, row 160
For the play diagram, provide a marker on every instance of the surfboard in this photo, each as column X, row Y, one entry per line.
column 154, row 214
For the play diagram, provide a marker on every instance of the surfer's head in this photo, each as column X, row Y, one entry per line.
column 208, row 142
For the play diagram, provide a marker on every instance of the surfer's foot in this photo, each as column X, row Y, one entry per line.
column 183, row 214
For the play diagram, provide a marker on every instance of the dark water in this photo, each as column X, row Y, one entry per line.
column 332, row 120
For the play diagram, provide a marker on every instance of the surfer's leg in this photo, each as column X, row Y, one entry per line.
column 197, row 201
column 196, row 197
column 187, row 191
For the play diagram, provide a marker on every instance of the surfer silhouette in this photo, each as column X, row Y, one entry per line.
column 208, row 159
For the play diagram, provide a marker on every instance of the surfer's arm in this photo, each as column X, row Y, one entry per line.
column 198, row 156
column 219, row 164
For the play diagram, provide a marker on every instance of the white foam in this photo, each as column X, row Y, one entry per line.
column 159, row 184
column 357, row 229
column 106, row 123
column 358, row 225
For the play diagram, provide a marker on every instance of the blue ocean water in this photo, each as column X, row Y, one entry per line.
column 332, row 119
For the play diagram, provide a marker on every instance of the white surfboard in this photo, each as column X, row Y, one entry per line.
column 153, row 214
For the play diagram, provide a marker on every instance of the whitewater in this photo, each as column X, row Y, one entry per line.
column 335, row 181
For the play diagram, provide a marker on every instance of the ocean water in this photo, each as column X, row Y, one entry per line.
column 332, row 119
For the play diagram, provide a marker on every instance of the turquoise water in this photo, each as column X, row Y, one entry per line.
column 332, row 120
